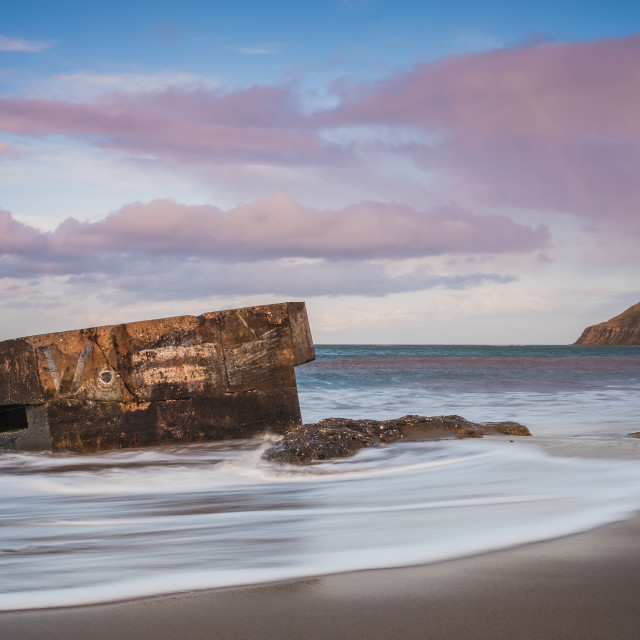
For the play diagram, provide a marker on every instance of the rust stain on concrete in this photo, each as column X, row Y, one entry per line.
column 225, row 374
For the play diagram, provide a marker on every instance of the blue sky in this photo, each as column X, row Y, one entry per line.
column 245, row 42
column 419, row 172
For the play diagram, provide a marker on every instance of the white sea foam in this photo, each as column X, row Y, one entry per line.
column 124, row 525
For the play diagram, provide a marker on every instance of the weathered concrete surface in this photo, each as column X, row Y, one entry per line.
column 623, row 330
column 226, row 374
column 342, row 437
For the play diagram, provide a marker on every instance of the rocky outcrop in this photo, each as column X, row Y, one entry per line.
column 507, row 428
column 342, row 437
column 621, row 330
column 226, row 374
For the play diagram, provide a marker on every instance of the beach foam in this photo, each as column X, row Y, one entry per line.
column 80, row 530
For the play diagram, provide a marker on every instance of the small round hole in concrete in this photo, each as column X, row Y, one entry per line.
column 106, row 377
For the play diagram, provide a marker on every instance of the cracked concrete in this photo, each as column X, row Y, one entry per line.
column 226, row 374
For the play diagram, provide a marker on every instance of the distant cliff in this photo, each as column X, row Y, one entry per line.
column 621, row 330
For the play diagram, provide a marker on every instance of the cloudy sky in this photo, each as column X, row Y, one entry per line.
column 461, row 172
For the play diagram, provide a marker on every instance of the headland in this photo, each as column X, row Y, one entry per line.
column 623, row 329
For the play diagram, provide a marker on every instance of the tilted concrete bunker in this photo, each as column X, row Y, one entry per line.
column 226, row 374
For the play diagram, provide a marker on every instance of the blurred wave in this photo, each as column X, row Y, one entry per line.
column 78, row 530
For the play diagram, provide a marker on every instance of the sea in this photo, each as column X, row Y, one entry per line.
column 78, row 530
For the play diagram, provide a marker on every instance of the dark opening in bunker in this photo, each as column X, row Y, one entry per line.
column 13, row 417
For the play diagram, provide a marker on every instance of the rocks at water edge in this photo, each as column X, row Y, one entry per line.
column 507, row 428
column 623, row 330
column 342, row 437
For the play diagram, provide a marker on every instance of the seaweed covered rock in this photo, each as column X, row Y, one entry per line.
column 507, row 428
column 342, row 437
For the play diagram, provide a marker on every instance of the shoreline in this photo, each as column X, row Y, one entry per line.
column 579, row 586
column 616, row 447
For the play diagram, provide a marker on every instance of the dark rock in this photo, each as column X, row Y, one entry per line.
column 342, row 437
column 635, row 434
column 623, row 330
column 507, row 428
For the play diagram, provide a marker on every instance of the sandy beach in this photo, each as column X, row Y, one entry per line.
column 583, row 586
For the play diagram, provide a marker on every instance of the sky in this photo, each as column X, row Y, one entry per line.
column 416, row 172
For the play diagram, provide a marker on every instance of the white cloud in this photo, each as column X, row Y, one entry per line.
column 84, row 84
column 264, row 49
column 18, row 44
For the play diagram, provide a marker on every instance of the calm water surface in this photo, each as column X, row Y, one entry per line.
column 553, row 389
column 78, row 529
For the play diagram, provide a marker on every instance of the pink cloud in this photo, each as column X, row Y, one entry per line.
column 551, row 91
column 276, row 227
column 550, row 126
column 253, row 125
column 19, row 239
column 164, row 250
column 553, row 126
column 168, row 251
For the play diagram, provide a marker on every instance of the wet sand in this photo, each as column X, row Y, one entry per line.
column 580, row 587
